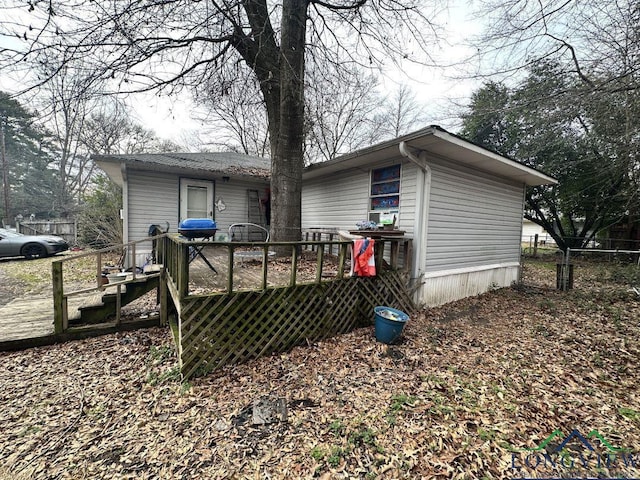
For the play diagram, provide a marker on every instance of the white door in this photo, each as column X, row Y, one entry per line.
column 196, row 198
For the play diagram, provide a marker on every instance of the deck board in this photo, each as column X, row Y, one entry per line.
column 26, row 317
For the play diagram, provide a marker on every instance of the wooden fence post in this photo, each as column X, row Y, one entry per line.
column 58, row 297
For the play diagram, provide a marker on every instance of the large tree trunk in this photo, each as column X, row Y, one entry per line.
column 287, row 137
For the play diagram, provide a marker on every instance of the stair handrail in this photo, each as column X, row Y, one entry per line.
column 60, row 314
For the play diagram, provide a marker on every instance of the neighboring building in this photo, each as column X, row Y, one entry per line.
column 531, row 229
column 461, row 203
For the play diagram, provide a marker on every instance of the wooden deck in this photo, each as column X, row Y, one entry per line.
column 28, row 321
column 26, row 317
column 31, row 317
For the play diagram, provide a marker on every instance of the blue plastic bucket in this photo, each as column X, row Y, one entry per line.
column 389, row 323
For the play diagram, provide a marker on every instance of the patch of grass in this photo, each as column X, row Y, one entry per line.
column 317, row 453
column 486, row 435
column 400, row 401
column 364, row 436
column 172, row 375
column 335, row 457
column 433, row 379
column 337, row 428
column 542, row 330
column 31, row 429
column 629, row 413
column 548, row 305
column 624, row 274
column 159, row 354
column 30, row 279
column 185, row 387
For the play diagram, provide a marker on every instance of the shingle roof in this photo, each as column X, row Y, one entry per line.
column 229, row 163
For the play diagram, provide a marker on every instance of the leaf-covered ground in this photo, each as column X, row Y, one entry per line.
column 473, row 384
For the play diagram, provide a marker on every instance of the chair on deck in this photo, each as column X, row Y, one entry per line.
column 249, row 232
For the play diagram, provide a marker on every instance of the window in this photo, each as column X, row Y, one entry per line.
column 384, row 200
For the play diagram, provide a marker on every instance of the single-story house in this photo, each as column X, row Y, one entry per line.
column 460, row 203
column 170, row 187
column 531, row 229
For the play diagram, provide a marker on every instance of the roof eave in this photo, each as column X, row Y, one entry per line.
column 104, row 161
column 427, row 140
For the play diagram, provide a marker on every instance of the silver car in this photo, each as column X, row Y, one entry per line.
column 14, row 244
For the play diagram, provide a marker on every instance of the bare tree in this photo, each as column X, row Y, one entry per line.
column 110, row 130
column 68, row 99
column 596, row 46
column 238, row 116
column 158, row 44
column 598, row 41
column 401, row 112
column 341, row 105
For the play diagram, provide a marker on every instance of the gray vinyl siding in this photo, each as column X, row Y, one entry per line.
column 474, row 219
column 153, row 199
column 337, row 201
column 341, row 200
column 234, row 195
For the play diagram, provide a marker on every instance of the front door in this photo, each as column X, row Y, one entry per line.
column 196, row 198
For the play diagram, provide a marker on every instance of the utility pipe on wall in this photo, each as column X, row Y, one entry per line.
column 421, row 220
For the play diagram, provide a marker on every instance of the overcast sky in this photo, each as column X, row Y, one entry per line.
column 439, row 90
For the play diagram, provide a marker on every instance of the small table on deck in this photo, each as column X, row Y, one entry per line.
column 383, row 235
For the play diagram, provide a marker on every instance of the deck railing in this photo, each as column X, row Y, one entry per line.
column 303, row 301
column 131, row 256
column 178, row 253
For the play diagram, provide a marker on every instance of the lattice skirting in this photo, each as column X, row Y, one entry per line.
column 230, row 328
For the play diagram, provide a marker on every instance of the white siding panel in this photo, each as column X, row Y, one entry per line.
column 338, row 201
column 153, row 199
column 474, row 220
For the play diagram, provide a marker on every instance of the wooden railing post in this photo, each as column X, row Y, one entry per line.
column 164, row 304
column 393, row 256
column 342, row 257
column 294, row 264
column 134, row 261
column 58, row 297
column 320, row 262
column 230, row 269
column 99, row 269
column 265, row 263
column 183, row 269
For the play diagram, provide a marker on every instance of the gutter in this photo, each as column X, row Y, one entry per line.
column 125, row 202
column 421, row 218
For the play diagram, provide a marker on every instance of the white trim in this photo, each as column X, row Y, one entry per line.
column 479, row 268
column 185, row 183
column 493, row 156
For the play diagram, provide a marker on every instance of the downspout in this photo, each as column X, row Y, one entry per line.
column 421, row 219
column 125, row 203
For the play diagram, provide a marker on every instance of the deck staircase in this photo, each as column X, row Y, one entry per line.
column 103, row 306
